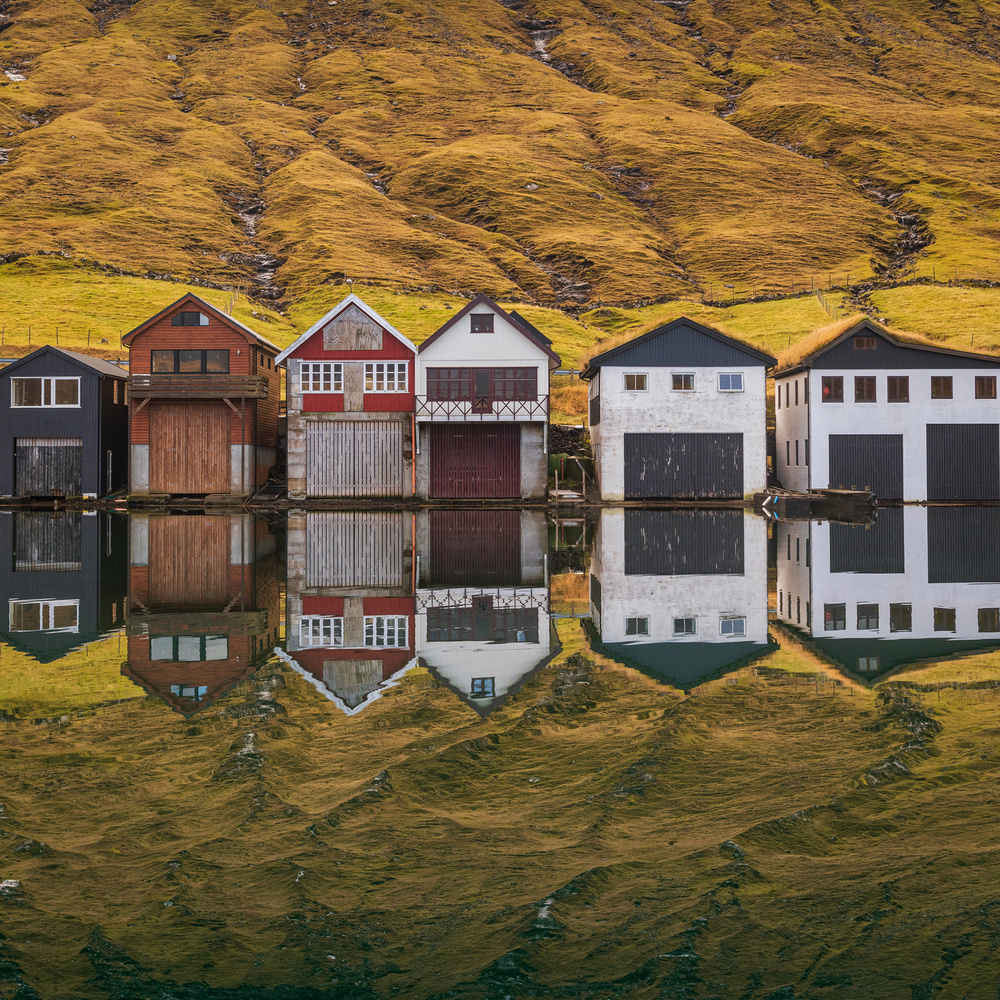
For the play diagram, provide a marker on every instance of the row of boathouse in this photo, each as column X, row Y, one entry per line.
column 680, row 412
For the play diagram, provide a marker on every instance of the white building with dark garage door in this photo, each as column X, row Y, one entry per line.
column 910, row 421
column 679, row 412
column 482, row 406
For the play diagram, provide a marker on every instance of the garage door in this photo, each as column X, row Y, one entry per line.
column 868, row 461
column 189, row 448
column 48, row 466
column 963, row 462
column 683, row 465
column 356, row 458
column 356, row 549
column 189, row 559
column 476, row 461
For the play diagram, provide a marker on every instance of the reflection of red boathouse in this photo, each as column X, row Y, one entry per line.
column 203, row 605
column 350, row 624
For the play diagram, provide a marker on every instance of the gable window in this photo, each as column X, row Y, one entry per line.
column 986, row 387
column 189, row 363
column 321, row 376
column 864, row 343
column 730, row 381
column 989, row 619
column 944, row 619
column 189, row 648
column 45, row 392
column 685, row 626
column 833, row 388
column 637, row 626
column 483, row 687
column 189, row 319
column 941, row 387
column 321, row 630
column 733, row 626
column 867, row 616
column 898, row 388
column 44, row 616
column 682, row 381
column 381, row 376
column 189, row 692
column 386, row 631
column 482, row 322
column 864, row 388
column 900, row 617
column 635, row 382
column 834, row 617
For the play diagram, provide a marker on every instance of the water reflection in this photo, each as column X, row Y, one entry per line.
column 680, row 594
column 203, row 604
column 920, row 583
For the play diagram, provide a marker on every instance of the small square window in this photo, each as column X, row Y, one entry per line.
column 482, row 322
column 941, row 387
column 483, row 687
column 900, row 617
column 685, row 626
column 682, row 381
column 986, row 387
column 989, row 619
column 868, row 616
column 637, row 626
column 864, row 343
column 733, row 626
column 834, row 617
column 730, row 381
column 868, row 664
column 944, row 619
column 899, row 388
column 833, row 388
column 864, row 389
column 635, row 382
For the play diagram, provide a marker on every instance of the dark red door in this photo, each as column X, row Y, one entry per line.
column 476, row 461
column 482, row 390
column 475, row 548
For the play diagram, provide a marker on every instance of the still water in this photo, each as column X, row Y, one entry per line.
column 463, row 754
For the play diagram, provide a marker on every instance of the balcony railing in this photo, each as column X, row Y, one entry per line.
column 199, row 386
column 480, row 409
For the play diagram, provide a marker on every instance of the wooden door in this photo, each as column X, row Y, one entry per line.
column 355, row 549
column 48, row 467
column 189, row 559
column 354, row 458
column 189, row 448
column 476, row 460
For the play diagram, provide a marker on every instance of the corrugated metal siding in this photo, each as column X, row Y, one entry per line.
column 475, row 548
column 46, row 466
column 684, row 345
column 189, row 448
column 868, row 461
column 962, row 544
column 52, row 542
column 478, row 461
column 963, row 462
column 889, row 356
column 683, row 542
column 189, row 560
column 355, row 549
column 869, row 548
column 683, row 465
column 362, row 458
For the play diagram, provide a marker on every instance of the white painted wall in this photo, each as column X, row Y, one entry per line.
column 661, row 409
column 663, row 598
column 791, row 427
column 881, row 417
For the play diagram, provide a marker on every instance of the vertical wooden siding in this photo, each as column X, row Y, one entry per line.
column 683, row 465
column 475, row 547
column 355, row 549
column 189, row 561
column 362, row 458
column 477, row 461
column 47, row 466
column 189, row 448
column 52, row 542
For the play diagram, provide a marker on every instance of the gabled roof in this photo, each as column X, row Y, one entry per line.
column 193, row 300
column 868, row 327
column 97, row 365
column 351, row 300
column 668, row 328
column 485, row 300
column 533, row 330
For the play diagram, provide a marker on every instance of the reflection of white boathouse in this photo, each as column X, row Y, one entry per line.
column 680, row 594
column 921, row 583
column 482, row 601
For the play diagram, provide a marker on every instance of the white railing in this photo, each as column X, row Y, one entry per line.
column 482, row 409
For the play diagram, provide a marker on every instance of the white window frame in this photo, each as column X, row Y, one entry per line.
column 731, row 375
column 684, row 618
column 313, row 376
column 643, row 375
column 387, row 632
column 376, row 371
column 637, row 619
column 321, row 632
column 685, row 374
column 50, row 379
column 45, row 615
column 733, row 618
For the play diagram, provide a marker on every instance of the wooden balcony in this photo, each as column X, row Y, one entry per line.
column 482, row 409
column 197, row 387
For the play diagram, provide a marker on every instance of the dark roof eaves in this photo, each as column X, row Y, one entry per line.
column 93, row 364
